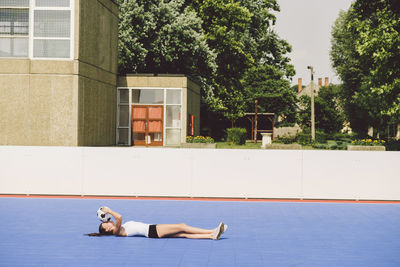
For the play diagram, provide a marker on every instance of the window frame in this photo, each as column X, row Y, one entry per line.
column 30, row 36
column 119, row 104
column 17, row 36
column 32, row 10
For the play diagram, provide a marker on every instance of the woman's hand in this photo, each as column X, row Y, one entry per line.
column 106, row 210
column 118, row 219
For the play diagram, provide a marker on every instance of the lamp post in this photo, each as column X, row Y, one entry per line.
column 312, row 104
column 255, row 120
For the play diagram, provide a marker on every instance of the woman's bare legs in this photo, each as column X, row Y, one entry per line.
column 193, row 236
column 183, row 230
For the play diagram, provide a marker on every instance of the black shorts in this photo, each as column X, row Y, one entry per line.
column 153, row 231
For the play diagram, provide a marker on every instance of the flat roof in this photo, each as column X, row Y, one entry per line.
column 152, row 75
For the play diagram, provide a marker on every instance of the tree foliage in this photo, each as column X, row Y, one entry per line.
column 366, row 55
column 329, row 111
column 217, row 41
column 225, row 23
column 274, row 94
column 163, row 37
column 241, row 34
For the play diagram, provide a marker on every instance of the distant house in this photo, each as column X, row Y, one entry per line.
column 307, row 90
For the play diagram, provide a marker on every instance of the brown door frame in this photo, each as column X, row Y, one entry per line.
column 147, row 120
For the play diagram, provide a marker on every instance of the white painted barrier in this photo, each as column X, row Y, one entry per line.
column 122, row 171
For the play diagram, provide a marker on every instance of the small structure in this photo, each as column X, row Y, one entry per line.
column 266, row 139
column 253, row 117
column 157, row 110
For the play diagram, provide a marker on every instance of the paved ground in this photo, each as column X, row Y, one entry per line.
column 50, row 232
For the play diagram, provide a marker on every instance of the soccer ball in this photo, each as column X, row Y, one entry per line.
column 103, row 216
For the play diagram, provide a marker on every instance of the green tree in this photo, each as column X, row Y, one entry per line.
column 346, row 63
column 225, row 23
column 329, row 110
column 240, row 33
column 273, row 92
column 215, row 41
column 164, row 37
column 366, row 55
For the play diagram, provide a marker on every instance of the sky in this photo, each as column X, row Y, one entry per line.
column 306, row 25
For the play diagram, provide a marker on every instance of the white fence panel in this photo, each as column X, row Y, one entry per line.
column 200, row 172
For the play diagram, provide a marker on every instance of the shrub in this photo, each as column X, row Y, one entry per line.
column 303, row 138
column 199, row 139
column 393, row 145
column 284, row 124
column 320, row 146
column 285, row 140
column 344, row 137
column 320, row 136
column 341, row 145
column 368, row 142
column 236, row 136
column 331, row 145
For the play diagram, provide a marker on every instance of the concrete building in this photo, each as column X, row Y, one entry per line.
column 58, row 81
column 58, row 72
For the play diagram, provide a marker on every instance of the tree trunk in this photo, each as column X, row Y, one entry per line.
column 398, row 132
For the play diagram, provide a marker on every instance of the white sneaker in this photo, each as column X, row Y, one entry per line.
column 218, row 231
column 225, row 227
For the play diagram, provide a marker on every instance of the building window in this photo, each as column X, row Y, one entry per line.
column 173, row 117
column 52, row 3
column 123, row 118
column 52, row 29
column 14, row 28
column 148, row 96
column 50, row 34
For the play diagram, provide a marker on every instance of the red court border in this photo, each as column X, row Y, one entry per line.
column 205, row 199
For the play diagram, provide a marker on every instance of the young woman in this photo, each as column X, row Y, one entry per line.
column 132, row 228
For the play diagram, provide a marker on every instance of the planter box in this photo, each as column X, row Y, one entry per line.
column 366, row 148
column 284, row 146
column 198, row 145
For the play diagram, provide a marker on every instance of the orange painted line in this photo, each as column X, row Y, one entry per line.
column 203, row 199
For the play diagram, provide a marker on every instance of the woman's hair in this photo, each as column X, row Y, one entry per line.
column 101, row 232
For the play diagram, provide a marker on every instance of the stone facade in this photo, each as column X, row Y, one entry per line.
column 307, row 90
column 65, row 102
column 286, row 131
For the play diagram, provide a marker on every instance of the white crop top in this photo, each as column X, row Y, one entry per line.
column 136, row 228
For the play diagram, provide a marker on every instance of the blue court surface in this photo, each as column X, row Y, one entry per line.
column 50, row 232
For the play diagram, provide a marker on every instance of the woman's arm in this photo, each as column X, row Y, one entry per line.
column 118, row 219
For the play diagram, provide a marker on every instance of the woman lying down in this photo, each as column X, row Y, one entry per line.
column 132, row 228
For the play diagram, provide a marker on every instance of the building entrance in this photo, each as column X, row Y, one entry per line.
column 147, row 125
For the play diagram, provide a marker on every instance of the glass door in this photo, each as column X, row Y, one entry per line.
column 147, row 125
column 139, row 120
column 155, row 125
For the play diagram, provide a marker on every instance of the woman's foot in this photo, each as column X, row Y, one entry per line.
column 218, row 231
column 225, row 227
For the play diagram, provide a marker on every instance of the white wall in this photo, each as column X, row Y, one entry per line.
column 127, row 171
